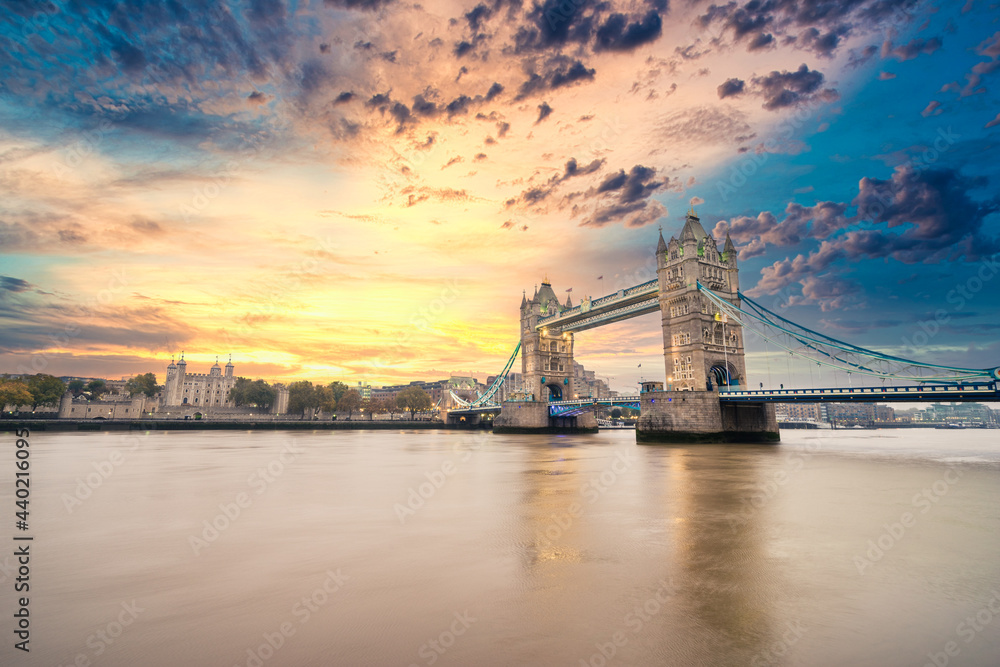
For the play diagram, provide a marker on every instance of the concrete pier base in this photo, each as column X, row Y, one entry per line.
column 533, row 417
column 699, row 416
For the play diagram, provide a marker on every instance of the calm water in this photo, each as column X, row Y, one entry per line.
column 834, row 548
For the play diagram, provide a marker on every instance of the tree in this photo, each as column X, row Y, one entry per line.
column 413, row 398
column 77, row 386
column 14, row 392
column 616, row 413
column 349, row 402
column 389, row 405
column 327, row 402
column 142, row 384
column 371, row 406
column 302, row 396
column 338, row 389
column 95, row 388
column 257, row 393
column 45, row 389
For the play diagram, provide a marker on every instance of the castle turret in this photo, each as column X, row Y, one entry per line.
column 229, row 367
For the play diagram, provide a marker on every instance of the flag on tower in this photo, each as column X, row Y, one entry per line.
column 570, row 289
column 600, row 277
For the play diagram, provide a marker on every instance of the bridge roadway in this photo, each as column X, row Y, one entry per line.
column 980, row 391
column 984, row 391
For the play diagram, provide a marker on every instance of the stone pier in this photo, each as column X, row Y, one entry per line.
column 533, row 417
column 699, row 416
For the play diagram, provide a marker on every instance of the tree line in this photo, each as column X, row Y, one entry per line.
column 304, row 397
column 45, row 390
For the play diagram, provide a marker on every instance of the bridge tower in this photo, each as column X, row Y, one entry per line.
column 546, row 358
column 701, row 350
column 703, row 353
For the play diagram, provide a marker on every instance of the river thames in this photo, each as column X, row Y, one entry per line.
column 371, row 548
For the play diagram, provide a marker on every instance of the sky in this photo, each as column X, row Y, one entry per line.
column 361, row 190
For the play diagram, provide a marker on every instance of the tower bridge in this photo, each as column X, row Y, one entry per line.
column 705, row 319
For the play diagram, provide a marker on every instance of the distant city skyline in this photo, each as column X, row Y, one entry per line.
column 362, row 191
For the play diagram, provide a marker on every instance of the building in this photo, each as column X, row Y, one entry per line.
column 799, row 412
column 198, row 389
column 856, row 413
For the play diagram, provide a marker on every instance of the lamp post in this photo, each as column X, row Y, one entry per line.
column 725, row 349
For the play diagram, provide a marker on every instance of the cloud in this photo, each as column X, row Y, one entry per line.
column 785, row 89
column 911, row 49
column 731, row 87
column 544, row 110
column 10, row 284
column 932, row 109
column 992, row 123
column 617, row 34
column 885, row 76
column 916, row 216
column 557, row 72
column 624, row 197
column 257, row 97
column 819, row 27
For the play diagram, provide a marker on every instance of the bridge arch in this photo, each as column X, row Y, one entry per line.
column 555, row 391
column 720, row 378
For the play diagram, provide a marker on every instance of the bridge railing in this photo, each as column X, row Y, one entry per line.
column 941, row 390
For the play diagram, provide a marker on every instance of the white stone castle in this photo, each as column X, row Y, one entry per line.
column 198, row 389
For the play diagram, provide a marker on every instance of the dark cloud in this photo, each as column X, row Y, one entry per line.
column 461, row 48
column 618, row 34
column 761, row 41
column 364, row 5
column 822, row 44
column 10, row 284
column 731, row 87
column 494, row 90
column 785, row 89
column 572, row 169
column 544, row 110
column 556, row 72
column 345, row 96
column 459, row 105
column 825, row 22
column 917, row 216
column 257, row 97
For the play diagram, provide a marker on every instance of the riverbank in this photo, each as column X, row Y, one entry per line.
column 62, row 425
